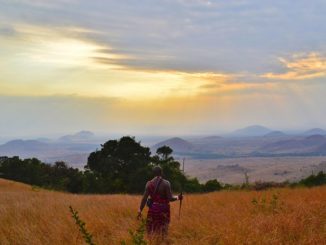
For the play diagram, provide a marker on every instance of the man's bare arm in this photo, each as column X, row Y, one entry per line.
column 144, row 199
column 170, row 197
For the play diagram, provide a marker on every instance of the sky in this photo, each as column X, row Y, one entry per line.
column 166, row 67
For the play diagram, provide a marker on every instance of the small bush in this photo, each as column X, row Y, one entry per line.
column 259, row 185
column 88, row 237
column 314, row 180
column 212, row 185
column 273, row 205
column 138, row 236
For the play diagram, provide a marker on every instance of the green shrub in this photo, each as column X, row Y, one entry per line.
column 138, row 236
column 271, row 205
column 88, row 237
column 314, row 180
column 212, row 185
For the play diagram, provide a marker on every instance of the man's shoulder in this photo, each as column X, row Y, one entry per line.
column 148, row 183
column 166, row 182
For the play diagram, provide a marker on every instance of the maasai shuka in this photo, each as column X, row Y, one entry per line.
column 158, row 216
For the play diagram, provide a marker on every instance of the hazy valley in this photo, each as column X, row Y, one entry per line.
column 262, row 153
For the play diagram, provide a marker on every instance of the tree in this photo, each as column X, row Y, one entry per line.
column 212, row 185
column 120, row 162
column 192, row 185
column 164, row 151
column 314, row 180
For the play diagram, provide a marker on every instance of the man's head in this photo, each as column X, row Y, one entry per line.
column 157, row 171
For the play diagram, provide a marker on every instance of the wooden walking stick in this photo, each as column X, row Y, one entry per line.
column 180, row 205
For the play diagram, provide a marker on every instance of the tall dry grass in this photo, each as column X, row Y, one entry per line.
column 39, row 217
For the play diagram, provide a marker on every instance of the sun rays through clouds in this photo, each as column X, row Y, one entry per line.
column 191, row 65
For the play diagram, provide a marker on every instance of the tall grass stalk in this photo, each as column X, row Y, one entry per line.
column 88, row 237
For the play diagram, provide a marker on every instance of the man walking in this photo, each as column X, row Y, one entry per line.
column 158, row 195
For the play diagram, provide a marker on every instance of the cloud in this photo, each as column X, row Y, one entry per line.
column 65, row 46
column 7, row 31
column 190, row 36
column 64, row 61
column 42, row 3
column 102, row 70
column 301, row 66
column 194, row 61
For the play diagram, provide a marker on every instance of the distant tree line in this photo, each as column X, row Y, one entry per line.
column 120, row 166
column 314, row 180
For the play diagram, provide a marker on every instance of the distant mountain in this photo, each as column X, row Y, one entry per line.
column 23, row 145
column 275, row 134
column 255, row 130
column 177, row 144
column 78, row 137
column 45, row 140
column 214, row 137
column 23, row 148
column 208, row 140
column 315, row 131
column 310, row 144
column 74, row 153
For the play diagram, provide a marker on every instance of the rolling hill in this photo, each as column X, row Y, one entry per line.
column 23, row 147
column 311, row 144
column 177, row 144
column 315, row 131
column 272, row 143
column 81, row 136
column 275, row 134
column 250, row 131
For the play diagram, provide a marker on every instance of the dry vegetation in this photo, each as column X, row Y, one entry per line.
column 277, row 169
column 280, row 216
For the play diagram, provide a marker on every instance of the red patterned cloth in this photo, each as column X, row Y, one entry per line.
column 158, row 216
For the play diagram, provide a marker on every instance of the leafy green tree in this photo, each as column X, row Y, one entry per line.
column 164, row 152
column 122, row 162
column 314, row 180
column 170, row 167
column 192, row 185
column 212, row 185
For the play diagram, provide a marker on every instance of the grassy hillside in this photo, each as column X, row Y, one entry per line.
column 281, row 216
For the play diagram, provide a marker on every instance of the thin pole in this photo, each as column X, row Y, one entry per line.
column 180, row 207
column 183, row 165
column 183, row 170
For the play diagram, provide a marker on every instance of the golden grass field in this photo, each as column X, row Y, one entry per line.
column 34, row 216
